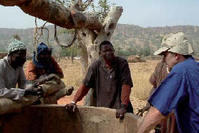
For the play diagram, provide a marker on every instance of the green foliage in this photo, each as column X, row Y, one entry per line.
column 104, row 8
column 72, row 51
column 3, row 49
column 123, row 53
column 101, row 8
column 144, row 51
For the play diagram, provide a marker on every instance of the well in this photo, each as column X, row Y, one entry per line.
column 55, row 119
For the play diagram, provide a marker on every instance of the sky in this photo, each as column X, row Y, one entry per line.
column 144, row 13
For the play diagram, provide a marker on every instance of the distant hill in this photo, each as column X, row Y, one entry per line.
column 145, row 41
column 127, row 39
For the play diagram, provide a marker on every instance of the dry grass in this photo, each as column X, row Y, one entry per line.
column 140, row 73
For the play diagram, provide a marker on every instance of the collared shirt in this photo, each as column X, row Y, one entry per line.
column 180, row 91
column 9, row 78
column 107, row 83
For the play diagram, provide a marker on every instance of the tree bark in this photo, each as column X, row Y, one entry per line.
column 93, row 39
column 56, row 13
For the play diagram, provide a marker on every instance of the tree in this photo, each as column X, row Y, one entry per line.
column 91, row 31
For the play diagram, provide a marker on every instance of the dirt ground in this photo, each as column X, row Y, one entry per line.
column 140, row 73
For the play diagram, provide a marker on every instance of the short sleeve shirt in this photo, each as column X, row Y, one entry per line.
column 180, row 91
column 107, row 83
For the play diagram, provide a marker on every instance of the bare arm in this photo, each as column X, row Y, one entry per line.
column 81, row 92
column 126, row 91
column 152, row 118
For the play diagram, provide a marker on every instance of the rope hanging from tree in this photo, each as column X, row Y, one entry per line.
column 38, row 34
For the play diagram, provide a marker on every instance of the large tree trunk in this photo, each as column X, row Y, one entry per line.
column 91, row 31
column 91, row 40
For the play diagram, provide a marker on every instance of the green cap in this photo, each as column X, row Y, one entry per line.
column 16, row 45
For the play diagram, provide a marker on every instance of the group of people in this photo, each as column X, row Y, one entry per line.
column 175, row 82
column 42, row 83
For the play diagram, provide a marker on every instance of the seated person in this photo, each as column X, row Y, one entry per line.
column 12, row 99
column 45, row 72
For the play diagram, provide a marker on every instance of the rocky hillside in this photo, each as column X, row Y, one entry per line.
column 127, row 39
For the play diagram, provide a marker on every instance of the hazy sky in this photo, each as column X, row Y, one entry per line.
column 146, row 13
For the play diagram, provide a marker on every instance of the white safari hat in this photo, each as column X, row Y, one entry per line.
column 176, row 43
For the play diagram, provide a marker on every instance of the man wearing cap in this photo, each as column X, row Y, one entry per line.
column 44, row 70
column 11, row 75
column 179, row 91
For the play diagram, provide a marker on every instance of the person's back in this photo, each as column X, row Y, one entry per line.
column 187, row 111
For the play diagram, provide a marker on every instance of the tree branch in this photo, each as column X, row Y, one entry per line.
column 56, row 13
column 12, row 2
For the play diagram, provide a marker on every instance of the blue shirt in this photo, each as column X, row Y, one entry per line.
column 180, row 92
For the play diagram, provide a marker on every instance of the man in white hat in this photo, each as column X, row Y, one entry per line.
column 179, row 91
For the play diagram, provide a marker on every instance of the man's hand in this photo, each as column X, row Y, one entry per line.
column 141, row 111
column 120, row 112
column 72, row 107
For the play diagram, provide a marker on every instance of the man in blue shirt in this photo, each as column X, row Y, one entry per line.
column 179, row 91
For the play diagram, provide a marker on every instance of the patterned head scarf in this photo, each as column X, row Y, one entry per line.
column 43, row 48
column 16, row 45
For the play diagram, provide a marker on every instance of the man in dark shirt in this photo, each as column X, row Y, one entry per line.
column 110, row 78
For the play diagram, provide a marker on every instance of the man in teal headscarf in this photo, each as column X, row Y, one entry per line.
column 11, row 76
